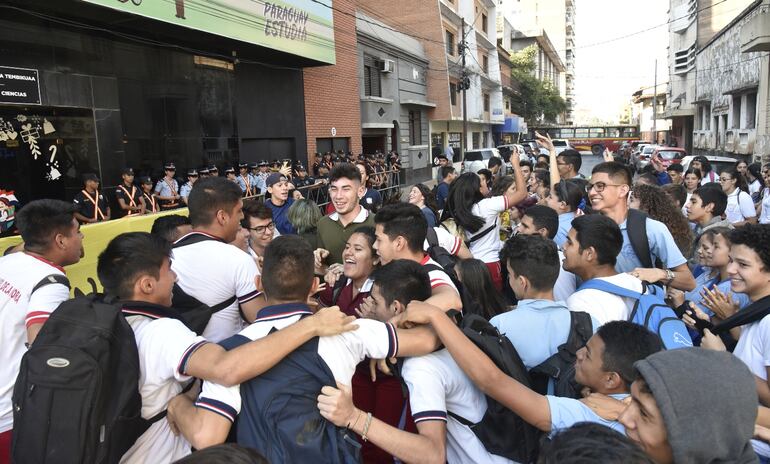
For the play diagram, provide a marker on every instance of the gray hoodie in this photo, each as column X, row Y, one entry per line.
column 709, row 404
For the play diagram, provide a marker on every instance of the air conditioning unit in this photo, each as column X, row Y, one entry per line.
column 387, row 66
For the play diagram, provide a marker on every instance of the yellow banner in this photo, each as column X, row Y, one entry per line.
column 95, row 240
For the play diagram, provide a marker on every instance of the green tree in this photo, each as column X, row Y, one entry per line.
column 537, row 101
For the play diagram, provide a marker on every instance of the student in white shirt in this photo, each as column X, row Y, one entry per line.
column 740, row 207
column 52, row 240
column 288, row 281
column 135, row 267
column 478, row 216
column 436, row 385
column 401, row 230
column 210, row 269
column 605, row 365
column 258, row 221
column 590, row 252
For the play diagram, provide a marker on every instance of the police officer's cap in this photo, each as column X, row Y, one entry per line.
column 169, row 167
column 145, row 180
column 192, row 173
column 90, row 176
column 253, row 165
column 243, row 166
column 213, row 168
column 204, row 171
column 127, row 172
column 229, row 171
column 263, row 163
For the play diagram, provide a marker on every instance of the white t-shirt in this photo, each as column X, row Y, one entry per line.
column 446, row 241
column 764, row 216
column 565, row 284
column 487, row 248
column 164, row 346
column 20, row 308
column 753, row 349
column 437, row 385
column 603, row 306
column 213, row 271
column 341, row 353
column 739, row 207
column 754, row 187
column 437, row 276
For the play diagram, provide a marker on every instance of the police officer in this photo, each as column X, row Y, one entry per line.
column 264, row 171
column 192, row 176
column 129, row 197
column 167, row 189
column 301, row 179
column 213, row 170
column 257, row 180
column 91, row 204
column 230, row 175
column 244, row 180
column 203, row 173
column 150, row 201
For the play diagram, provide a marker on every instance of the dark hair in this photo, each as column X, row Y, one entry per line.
column 494, row 161
column 501, row 184
column 527, row 163
column 445, row 171
column 228, row 453
column 570, row 193
column 756, row 171
column 704, row 163
column 463, row 194
column 756, row 237
column 345, row 171
column 402, row 280
column 487, row 175
column 479, row 295
column 676, row 191
column 543, row 176
column 128, row 256
column 165, row 226
column 541, row 164
column 255, row 209
column 544, row 217
column 429, row 197
column 617, row 171
column 654, row 201
column 601, row 233
column 740, row 183
column 210, row 195
column 646, row 178
column 712, row 195
column 591, row 443
column 676, row 167
column 572, row 157
column 624, row 344
column 405, row 220
column 287, row 270
column 694, row 171
column 368, row 232
column 533, row 257
column 41, row 220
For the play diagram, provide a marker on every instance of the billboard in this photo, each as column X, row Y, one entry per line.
column 300, row 27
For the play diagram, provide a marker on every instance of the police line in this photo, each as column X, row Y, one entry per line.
column 95, row 239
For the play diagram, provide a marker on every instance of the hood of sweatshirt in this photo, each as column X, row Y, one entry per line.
column 708, row 400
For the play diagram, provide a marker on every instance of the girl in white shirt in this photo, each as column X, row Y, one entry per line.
column 755, row 180
column 764, row 205
column 740, row 208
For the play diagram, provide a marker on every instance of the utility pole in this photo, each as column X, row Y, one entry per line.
column 655, row 107
column 465, row 83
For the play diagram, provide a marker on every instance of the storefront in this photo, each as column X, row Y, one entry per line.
column 99, row 85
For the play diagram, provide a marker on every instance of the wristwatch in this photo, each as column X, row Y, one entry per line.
column 670, row 276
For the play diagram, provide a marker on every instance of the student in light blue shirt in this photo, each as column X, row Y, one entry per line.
column 533, row 267
column 566, row 198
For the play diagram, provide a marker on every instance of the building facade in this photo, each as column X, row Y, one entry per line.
column 653, row 127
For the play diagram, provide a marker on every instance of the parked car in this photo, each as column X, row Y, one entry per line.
column 718, row 163
column 560, row 145
column 505, row 151
column 475, row 160
column 669, row 155
column 643, row 158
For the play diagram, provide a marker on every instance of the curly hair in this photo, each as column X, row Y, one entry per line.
column 658, row 205
column 756, row 237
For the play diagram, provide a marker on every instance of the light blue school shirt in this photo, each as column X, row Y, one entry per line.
column 661, row 245
column 566, row 412
column 565, row 224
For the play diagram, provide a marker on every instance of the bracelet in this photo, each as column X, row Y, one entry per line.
column 358, row 416
column 366, row 426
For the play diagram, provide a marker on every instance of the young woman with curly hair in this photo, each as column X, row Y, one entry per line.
column 658, row 205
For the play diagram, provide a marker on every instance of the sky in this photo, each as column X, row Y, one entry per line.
column 607, row 74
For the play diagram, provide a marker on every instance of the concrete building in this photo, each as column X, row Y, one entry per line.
column 653, row 127
column 548, row 65
column 393, row 98
column 514, row 124
column 693, row 23
column 731, row 89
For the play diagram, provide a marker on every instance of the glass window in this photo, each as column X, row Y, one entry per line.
column 581, row 132
column 415, row 128
column 450, row 43
column 596, row 132
column 565, row 133
column 613, row 132
column 371, row 78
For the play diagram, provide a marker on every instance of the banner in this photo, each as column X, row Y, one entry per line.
column 299, row 27
column 95, row 240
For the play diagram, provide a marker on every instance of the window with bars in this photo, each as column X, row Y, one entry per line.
column 450, row 43
column 415, row 128
column 453, row 93
column 372, row 86
column 486, row 103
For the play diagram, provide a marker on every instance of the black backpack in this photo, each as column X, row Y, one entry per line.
column 444, row 258
column 76, row 398
column 636, row 226
column 501, row 431
column 561, row 366
column 192, row 312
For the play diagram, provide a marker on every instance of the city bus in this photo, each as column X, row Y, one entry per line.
column 592, row 138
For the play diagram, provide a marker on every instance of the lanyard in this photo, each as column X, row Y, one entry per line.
column 247, row 181
column 170, row 186
column 152, row 202
column 97, row 211
column 130, row 195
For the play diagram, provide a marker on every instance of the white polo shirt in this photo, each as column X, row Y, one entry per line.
column 487, row 248
column 446, row 241
column 341, row 353
column 20, row 308
column 753, row 349
column 438, row 385
column 164, row 346
column 603, row 306
column 213, row 271
column 740, row 207
column 437, row 276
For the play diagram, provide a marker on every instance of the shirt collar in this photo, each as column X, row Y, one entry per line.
column 280, row 311
column 151, row 310
column 361, row 217
column 41, row 259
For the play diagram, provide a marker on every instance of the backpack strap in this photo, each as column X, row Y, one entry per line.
column 581, row 328
column 604, row 286
column 193, row 238
column 52, row 279
column 751, row 313
column 461, row 419
column 341, row 283
column 432, row 237
column 637, row 234
column 482, row 234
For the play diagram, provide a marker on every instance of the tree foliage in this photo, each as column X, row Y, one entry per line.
column 537, row 101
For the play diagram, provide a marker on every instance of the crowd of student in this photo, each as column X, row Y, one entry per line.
column 494, row 318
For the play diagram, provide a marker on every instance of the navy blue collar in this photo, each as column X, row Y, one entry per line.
column 280, row 311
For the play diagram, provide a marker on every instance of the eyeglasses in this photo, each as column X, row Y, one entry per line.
column 599, row 187
column 724, row 179
column 262, row 229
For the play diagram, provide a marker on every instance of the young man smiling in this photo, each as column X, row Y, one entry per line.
column 280, row 202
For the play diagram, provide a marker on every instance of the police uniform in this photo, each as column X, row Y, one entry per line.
column 204, row 172
column 213, row 170
column 150, row 202
column 130, row 194
column 307, row 181
column 264, row 174
column 245, row 181
column 91, row 205
column 184, row 192
column 168, row 188
column 229, row 171
column 257, row 179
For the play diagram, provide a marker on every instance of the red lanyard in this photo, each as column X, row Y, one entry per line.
column 152, row 203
